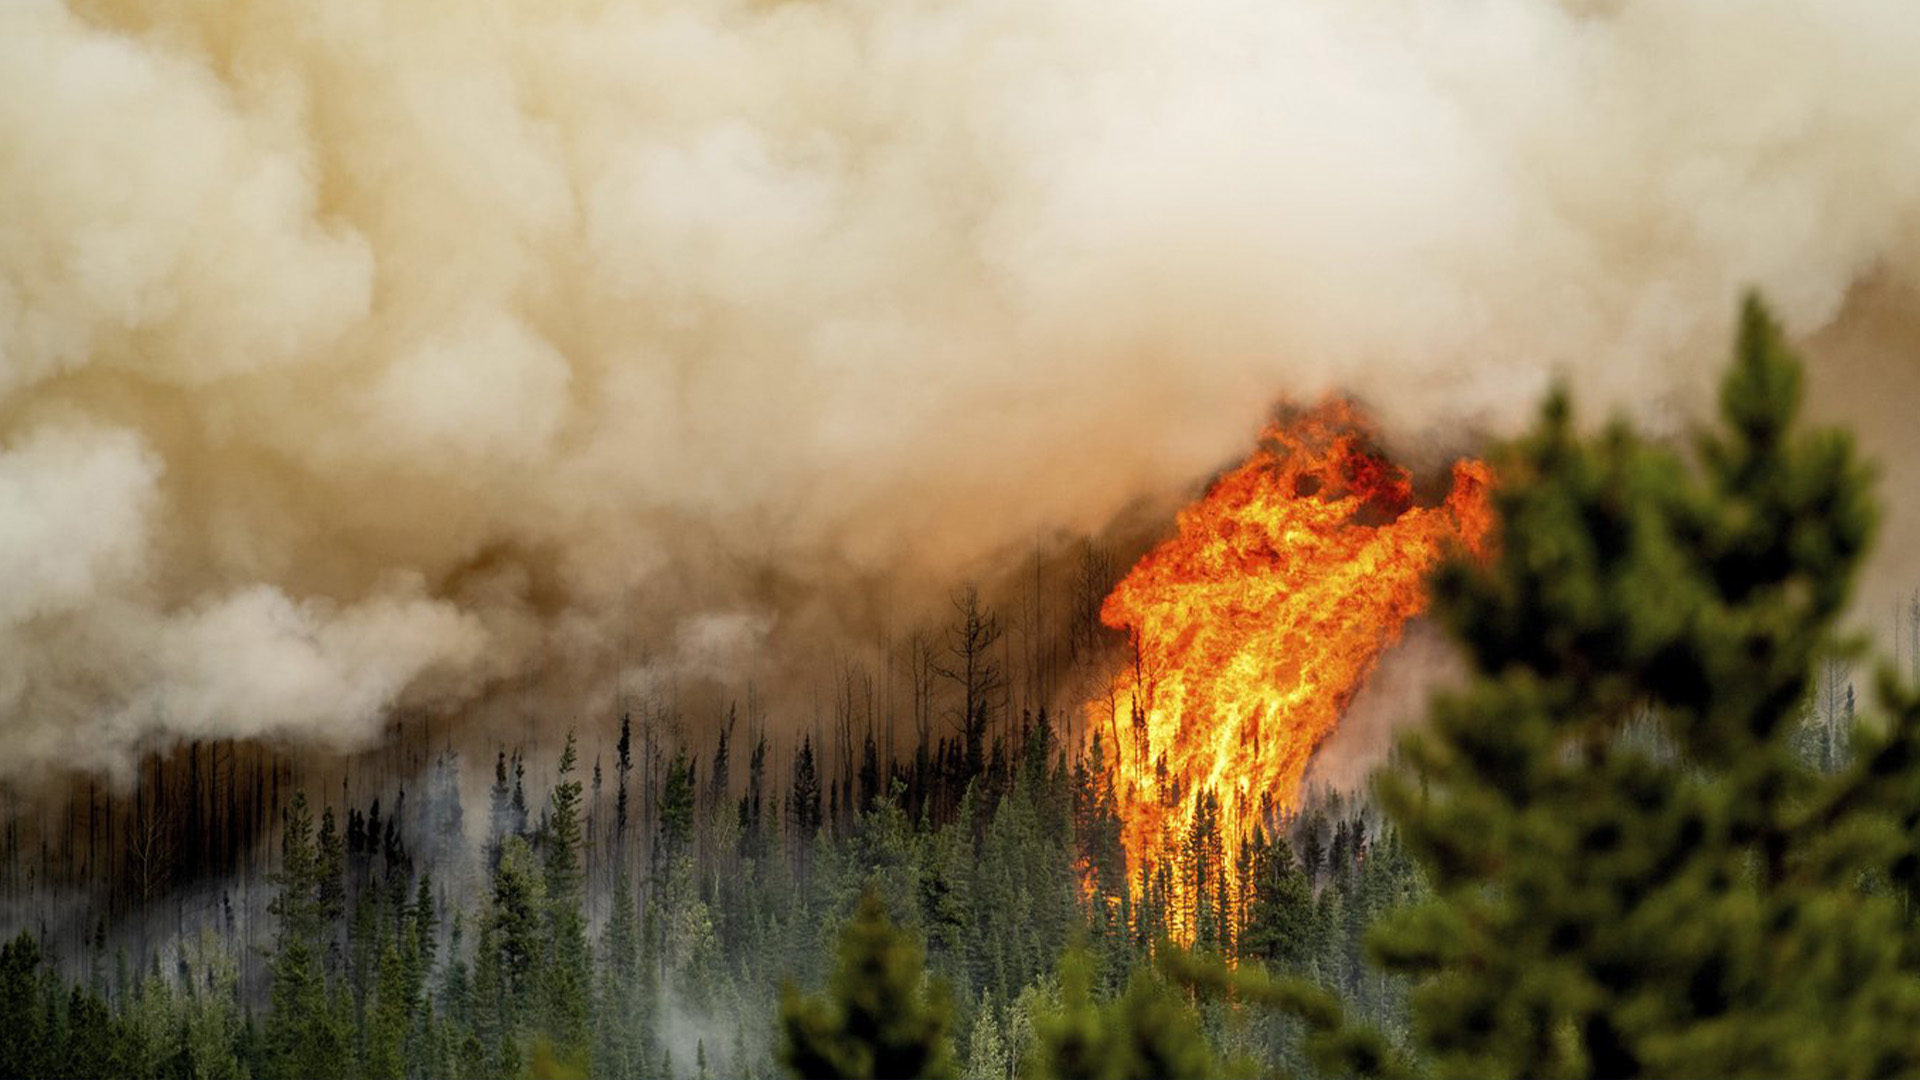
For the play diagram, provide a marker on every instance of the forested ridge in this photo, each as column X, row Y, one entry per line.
column 1657, row 796
column 378, row 968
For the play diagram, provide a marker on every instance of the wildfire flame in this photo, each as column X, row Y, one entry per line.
column 1254, row 625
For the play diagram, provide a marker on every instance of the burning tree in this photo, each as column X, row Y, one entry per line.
column 1252, row 627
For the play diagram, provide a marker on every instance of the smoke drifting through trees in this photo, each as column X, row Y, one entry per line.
column 354, row 355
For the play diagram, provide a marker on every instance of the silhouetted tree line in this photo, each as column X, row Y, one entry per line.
column 385, row 960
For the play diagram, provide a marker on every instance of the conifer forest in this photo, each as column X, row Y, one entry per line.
column 988, row 539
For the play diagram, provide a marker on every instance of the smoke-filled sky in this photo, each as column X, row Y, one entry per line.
column 356, row 352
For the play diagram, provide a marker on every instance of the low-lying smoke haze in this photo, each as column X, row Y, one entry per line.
column 356, row 354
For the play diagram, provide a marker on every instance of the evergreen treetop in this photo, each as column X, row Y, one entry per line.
column 878, row 1017
column 1706, row 902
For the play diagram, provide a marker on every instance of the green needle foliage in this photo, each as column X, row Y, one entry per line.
column 1334, row 1044
column 877, row 1019
column 1151, row 1032
column 1634, row 873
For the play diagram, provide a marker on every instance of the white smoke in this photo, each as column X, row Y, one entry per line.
column 355, row 353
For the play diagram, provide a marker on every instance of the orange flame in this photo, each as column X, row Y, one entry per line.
column 1254, row 625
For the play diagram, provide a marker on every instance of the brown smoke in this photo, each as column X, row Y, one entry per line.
column 355, row 353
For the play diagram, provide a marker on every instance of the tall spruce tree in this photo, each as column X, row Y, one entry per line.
column 24, row 1049
column 805, row 793
column 387, row 1019
column 307, row 1035
column 1705, row 903
column 877, row 1017
column 567, row 969
column 510, row 956
column 620, row 1044
column 1280, row 912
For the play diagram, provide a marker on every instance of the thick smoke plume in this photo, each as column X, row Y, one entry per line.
column 359, row 354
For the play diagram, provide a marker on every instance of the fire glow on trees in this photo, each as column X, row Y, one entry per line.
column 1252, row 627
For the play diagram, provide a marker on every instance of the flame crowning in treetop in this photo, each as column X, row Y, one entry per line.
column 1253, row 626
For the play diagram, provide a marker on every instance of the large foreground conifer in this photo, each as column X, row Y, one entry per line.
column 1634, row 871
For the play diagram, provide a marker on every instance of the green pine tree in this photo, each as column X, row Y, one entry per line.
column 1151, row 1032
column 23, row 1052
column 510, row 955
column 1704, row 902
column 387, row 1019
column 304, row 1036
column 91, row 1036
column 210, row 1010
column 986, row 1049
column 878, row 1018
column 567, row 966
column 1280, row 915
column 619, row 1043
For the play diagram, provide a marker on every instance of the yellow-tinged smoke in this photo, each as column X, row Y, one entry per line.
column 355, row 353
